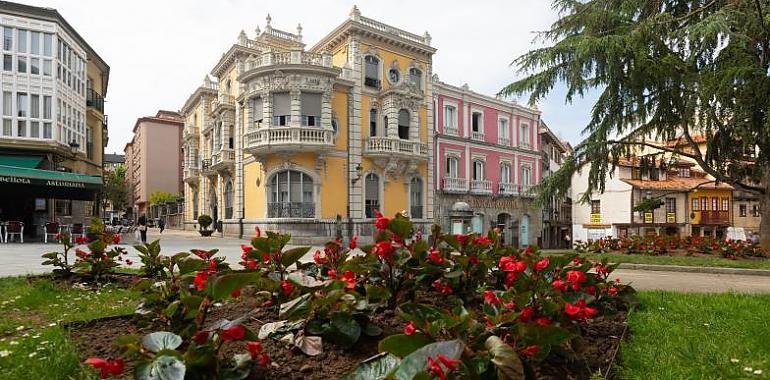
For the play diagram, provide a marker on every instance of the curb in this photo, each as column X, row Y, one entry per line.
column 692, row 269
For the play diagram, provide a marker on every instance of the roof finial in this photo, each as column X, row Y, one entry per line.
column 258, row 31
column 355, row 14
column 426, row 38
column 242, row 37
column 299, row 32
column 269, row 19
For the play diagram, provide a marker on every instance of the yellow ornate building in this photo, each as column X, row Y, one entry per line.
column 312, row 141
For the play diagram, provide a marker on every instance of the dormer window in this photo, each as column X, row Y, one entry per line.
column 415, row 76
column 372, row 72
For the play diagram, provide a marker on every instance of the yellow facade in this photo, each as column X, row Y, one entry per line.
column 713, row 198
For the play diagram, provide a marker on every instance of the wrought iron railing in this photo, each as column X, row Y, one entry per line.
column 291, row 210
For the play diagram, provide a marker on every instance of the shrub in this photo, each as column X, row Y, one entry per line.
column 204, row 221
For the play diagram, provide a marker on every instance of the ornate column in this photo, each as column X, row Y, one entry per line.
column 296, row 108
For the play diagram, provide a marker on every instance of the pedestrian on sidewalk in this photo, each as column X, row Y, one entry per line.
column 143, row 228
column 161, row 225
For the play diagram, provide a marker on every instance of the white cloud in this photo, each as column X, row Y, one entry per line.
column 159, row 51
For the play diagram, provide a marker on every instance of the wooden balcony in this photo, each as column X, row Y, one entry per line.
column 715, row 217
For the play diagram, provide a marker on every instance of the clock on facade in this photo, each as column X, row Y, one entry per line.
column 393, row 75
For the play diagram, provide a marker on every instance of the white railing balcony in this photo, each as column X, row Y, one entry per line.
column 452, row 131
column 387, row 146
column 507, row 188
column 503, row 140
column 385, row 28
column 525, row 145
column 190, row 173
column 455, row 185
column 225, row 157
column 481, row 186
column 527, row 191
column 477, row 135
column 289, row 58
column 271, row 139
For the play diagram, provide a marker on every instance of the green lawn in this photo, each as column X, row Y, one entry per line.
column 699, row 261
column 32, row 343
column 698, row 336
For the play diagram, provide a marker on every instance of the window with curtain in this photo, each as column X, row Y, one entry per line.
column 415, row 198
column 281, row 109
column 311, row 109
column 371, row 194
column 403, row 124
column 452, row 167
column 524, row 138
column 292, row 195
column 450, row 118
column 21, row 104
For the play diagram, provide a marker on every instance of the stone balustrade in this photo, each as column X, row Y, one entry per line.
column 288, row 139
column 455, row 185
column 391, row 145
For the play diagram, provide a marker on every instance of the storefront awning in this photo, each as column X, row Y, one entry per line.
column 28, row 162
column 47, row 183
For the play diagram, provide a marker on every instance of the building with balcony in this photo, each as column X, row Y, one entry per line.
column 153, row 159
column 488, row 156
column 557, row 213
column 293, row 138
column 688, row 201
column 52, row 136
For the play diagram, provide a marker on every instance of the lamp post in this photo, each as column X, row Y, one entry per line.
column 74, row 148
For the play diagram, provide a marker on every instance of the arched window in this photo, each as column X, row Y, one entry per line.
column 415, row 198
column 372, row 72
column 373, row 122
column 403, row 124
column 195, row 203
column 229, row 200
column 291, row 195
column 371, row 194
column 415, row 76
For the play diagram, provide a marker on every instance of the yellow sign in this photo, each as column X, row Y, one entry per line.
column 648, row 217
column 670, row 217
column 596, row 218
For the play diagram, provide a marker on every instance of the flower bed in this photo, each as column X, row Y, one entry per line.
column 444, row 306
column 673, row 245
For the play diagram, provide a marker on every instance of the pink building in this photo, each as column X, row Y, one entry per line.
column 487, row 159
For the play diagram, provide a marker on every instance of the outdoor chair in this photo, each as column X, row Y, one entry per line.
column 77, row 230
column 14, row 228
column 50, row 228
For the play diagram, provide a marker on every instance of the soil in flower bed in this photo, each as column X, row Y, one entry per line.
column 595, row 351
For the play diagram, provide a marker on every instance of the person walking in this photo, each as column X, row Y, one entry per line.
column 143, row 228
column 161, row 225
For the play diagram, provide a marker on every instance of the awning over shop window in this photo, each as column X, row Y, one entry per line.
column 28, row 162
column 25, row 181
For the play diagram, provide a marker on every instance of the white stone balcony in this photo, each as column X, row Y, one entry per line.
column 477, row 135
column 452, row 131
column 455, row 185
column 389, row 146
column 288, row 139
column 289, row 58
column 190, row 173
column 223, row 159
column 507, row 188
column 528, row 191
column 222, row 101
column 481, row 186
column 503, row 141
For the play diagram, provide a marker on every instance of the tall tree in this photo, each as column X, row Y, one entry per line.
column 115, row 190
column 665, row 69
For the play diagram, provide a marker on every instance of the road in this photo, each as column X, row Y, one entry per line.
column 21, row 259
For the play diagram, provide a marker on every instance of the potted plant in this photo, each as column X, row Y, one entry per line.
column 204, row 221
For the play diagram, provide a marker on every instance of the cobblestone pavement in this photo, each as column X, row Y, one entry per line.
column 21, row 259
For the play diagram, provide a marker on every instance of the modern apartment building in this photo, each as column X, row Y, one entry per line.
column 557, row 213
column 487, row 158
column 154, row 158
column 296, row 139
column 53, row 128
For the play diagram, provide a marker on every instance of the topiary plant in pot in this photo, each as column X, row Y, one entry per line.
column 204, row 221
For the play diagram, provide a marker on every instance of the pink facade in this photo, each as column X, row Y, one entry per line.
column 484, row 134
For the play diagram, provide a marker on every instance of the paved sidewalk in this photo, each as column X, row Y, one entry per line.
column 21, row 259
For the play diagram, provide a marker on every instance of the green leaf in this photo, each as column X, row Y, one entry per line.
column 293, row 255
column 344, row 331
column 225, row 284
column 420, row 247
column 295, row 306
column 370, row 329
column 305, row 280
column 161, row 340
column 401, row 227
column 172, row 308
column 402, row 345
column 419, row 313
column 374, row 368
column 454, row 274
column 189, row 265
column 417, row 361
column 162, row 368
column 506, row 360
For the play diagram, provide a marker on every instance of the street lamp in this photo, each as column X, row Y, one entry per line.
column 74, row 148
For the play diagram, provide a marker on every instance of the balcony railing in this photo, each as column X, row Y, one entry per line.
column 288, row 138
column 525, row 145
column 222, row 100
column 506, row 188
column 190, row 173
column 289, row 58
column 481, row 186
column 373, row 83
column 390, row 145
column 223, row 157
column 504, row 141
column 453, row 131
column 95, row 100
column 527, row 191
column 477, row 135
column 455, row 185
column 374, row 24
column 291, row 210
column 714, row 217
column 415, row 212
column 206, row 164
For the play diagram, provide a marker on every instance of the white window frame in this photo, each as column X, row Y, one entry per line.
column 502, row 139
column 483, row 166
column 454, row 125
column 525, row 140
column 447, row 172
column 506, row 165
column 478, row 135
column 526, row 174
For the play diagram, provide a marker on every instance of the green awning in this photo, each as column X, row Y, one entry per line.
column 28, row 162
column 18, row 175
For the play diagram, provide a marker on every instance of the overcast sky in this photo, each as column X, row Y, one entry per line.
column 159, row 51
